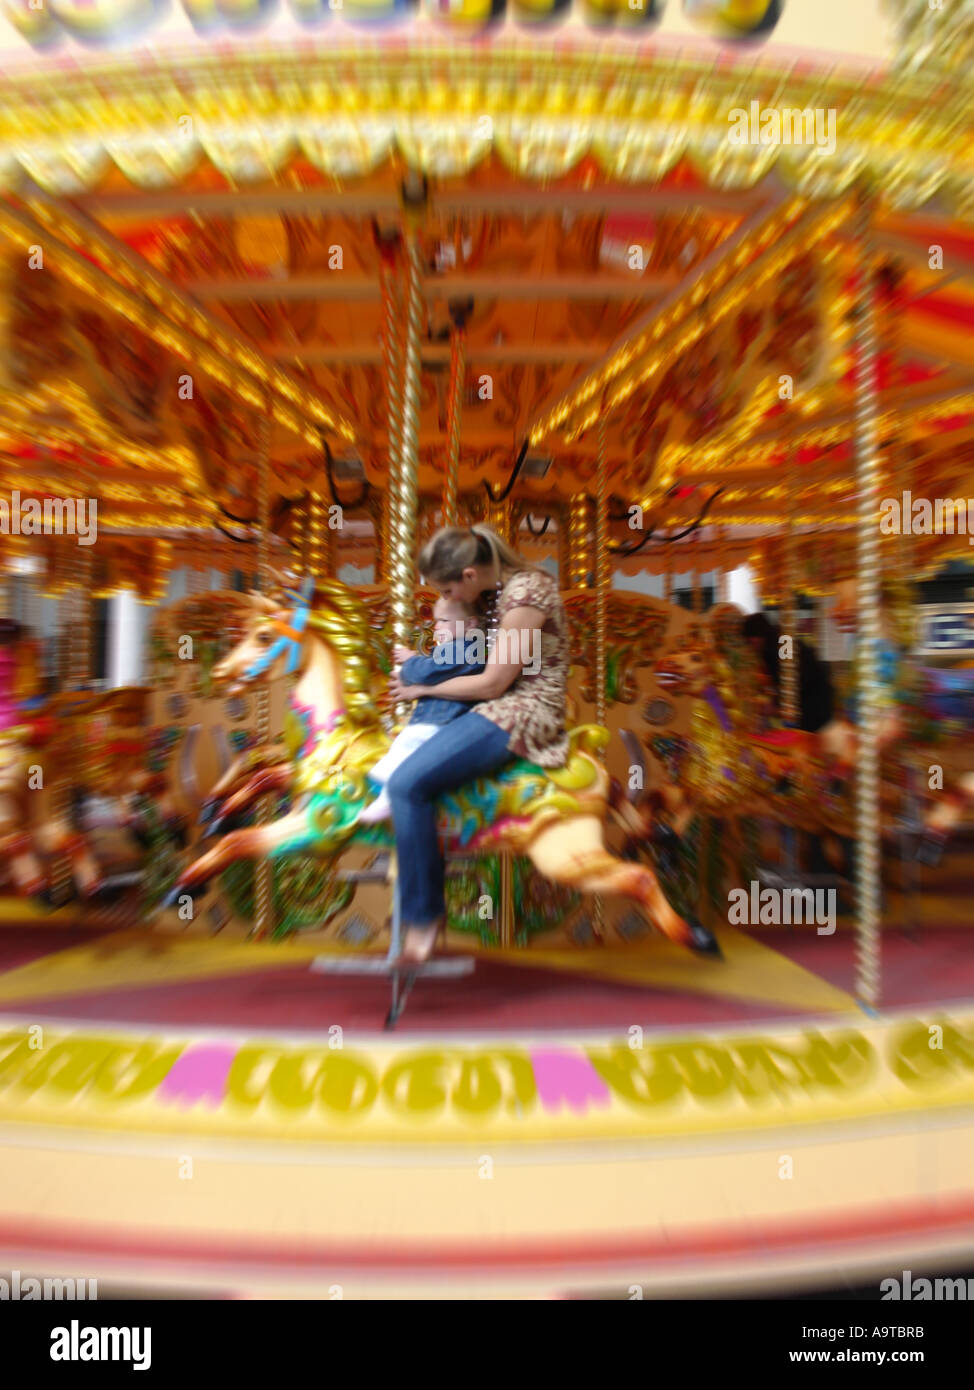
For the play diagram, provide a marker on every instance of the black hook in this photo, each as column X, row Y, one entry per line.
column 506, row 491
column 240, row 540
column 668, row 540
column 544, row 527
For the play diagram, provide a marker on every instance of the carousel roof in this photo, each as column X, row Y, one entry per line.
column 609, row 256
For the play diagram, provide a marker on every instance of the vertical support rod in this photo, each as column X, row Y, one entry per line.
column 696, row 587
column 392, row 350
column 868, row 490
column 404, row 539
column 458, row 368
column 262, row 868
column 579, row 541
column 789, row 616
column 602, row 581
column 602, row 576
column 723, row 574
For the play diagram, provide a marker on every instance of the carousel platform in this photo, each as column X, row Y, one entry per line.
column 190, row 1116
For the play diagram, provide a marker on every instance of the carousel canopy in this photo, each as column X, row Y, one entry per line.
column 220, row 246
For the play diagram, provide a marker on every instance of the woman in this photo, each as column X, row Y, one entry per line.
column 517, row 707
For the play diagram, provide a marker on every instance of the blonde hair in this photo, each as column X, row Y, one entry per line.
column 452, row 550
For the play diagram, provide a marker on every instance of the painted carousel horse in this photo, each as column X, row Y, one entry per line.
column 730, row 768
column 334, row 735
column 103, row 823
column 25, row 738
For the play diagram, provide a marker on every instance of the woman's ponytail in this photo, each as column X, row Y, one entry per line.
column 452, row 550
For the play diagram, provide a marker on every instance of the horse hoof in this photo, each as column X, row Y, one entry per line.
column 214, row 828
column 206, row 812
column 172, row 898
column 663, row 836
column 703, row 942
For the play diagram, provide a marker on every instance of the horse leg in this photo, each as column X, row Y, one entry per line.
column 23, row 864
column 269, row 779
column 573, row 852
column 58, row 837
column 289, row 835
column 237, row 774
column 943, row 820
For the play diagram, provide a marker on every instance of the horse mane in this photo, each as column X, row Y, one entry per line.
column 343, row 621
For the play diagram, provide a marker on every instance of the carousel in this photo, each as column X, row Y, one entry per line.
column 271, row 319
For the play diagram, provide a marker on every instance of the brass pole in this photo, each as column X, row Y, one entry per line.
column 262, row 871
column 602, row 575
column 404, row 538
column 867, row 481
column 723, row 581
column 458, row 364
column 78, row 673
column 580, row 559
column 602, row 581
column 789, row 615
column 392, row 350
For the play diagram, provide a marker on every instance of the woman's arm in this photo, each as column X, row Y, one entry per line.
column 505, row 664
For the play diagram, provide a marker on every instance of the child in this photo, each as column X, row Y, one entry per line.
column 449, row 659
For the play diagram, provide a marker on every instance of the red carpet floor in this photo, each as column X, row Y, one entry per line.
column 934, row 968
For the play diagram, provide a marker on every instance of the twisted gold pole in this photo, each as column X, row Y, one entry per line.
column 458, row 363
column 723, row 580
column 696, row 582
column 867, row 481
column 262, row 871
column 392, row 349
column 78, row 664
column 602, row 581
column 404, row 536
column 602, row 573
column 317, row 539
column 580, row 564
column 789, row 612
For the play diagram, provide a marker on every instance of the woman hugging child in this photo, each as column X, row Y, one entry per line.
column 454, row 654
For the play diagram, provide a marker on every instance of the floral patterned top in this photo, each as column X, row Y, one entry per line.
column 533, row 707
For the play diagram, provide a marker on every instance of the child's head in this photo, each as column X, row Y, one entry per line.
column 447, row 612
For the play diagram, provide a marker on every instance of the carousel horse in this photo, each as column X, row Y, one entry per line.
column 25, row 841
column 112, row 795
column 334, row 735
column 731, row 768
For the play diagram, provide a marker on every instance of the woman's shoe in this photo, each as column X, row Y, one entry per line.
column 419, row 942
column 702, row 941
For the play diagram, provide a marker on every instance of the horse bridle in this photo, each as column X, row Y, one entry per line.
column 291, row 634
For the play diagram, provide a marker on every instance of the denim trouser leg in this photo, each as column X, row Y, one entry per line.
column 469, row 747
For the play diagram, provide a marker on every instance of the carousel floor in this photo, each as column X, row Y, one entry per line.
column 210, row 1118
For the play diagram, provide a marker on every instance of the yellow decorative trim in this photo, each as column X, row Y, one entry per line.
column 346, row 110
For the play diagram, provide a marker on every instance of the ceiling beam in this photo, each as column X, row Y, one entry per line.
column 680, row 292
column 437, row 354
column 53, row 216
column 516, row 201
column 337, row 285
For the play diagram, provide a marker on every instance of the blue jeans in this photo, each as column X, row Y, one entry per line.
column 468, row 747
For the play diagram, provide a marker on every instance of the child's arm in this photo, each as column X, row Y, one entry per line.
column 427, row 670
column 496, row 676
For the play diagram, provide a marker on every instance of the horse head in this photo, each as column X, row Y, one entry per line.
column 274, row 642
column 686, row 667
column 320, row 633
